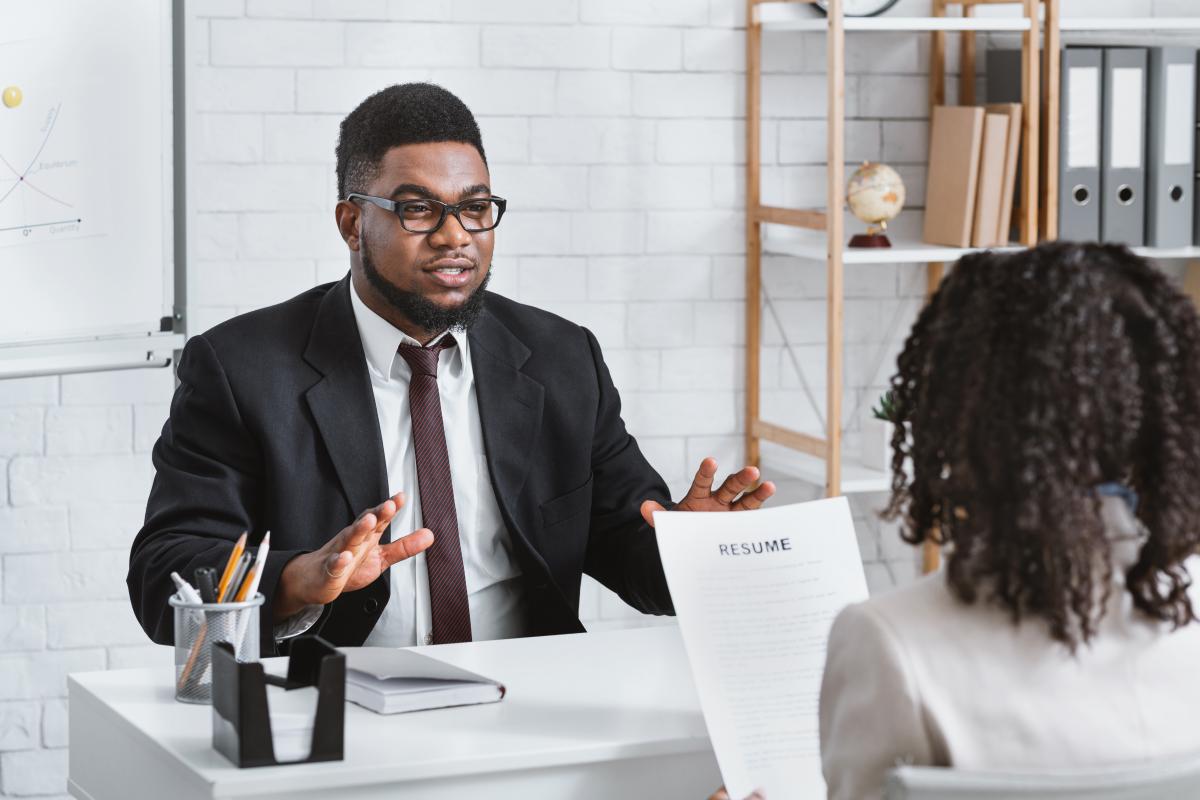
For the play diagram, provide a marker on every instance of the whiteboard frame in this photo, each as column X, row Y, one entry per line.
column 148, row 349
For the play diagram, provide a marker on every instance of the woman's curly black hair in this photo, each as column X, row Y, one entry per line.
column 1029, row 379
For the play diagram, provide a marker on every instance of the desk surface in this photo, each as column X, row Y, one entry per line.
column 572, row 700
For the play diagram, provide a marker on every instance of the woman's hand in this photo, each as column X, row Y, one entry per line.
column 721, row 794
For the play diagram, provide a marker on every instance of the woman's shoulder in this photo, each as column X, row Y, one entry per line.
column 927, row 616
column 920, row 617
column 911, row 603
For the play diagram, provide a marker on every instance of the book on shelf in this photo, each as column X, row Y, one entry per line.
column 989, row 191
column 390, row 681
column 955, row 146
column 1012, row 161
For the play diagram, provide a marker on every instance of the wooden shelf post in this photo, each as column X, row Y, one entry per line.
column 835, row 50
column 753, row 232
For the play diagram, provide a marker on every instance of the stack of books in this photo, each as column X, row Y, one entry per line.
column 973, row 156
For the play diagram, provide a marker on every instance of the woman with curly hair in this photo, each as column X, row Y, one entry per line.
column 1051, row 445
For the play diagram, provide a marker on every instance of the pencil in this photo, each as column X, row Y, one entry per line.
column 235, row 582
column 231, row 564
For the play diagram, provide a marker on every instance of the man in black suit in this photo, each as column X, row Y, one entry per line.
column 407, row 373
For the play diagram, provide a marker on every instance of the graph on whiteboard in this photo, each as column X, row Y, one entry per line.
column 42, row 191
column 85, row 203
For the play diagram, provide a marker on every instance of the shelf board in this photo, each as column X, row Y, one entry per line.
column 1167, row 253
column 779, row 462
column 901, row 251
column 790, row 16
column 1149, row 24
column 785, row 16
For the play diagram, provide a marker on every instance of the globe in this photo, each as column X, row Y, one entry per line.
column 875, row 195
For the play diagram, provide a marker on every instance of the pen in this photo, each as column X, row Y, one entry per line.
column 206, row 582
column 186, row 591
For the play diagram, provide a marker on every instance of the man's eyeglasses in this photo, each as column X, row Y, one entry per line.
column 426, row 216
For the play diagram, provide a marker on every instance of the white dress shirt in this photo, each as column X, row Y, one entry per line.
column 917, row 676
column 495, row 593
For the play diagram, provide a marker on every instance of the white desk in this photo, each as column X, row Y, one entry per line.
column 600, row 715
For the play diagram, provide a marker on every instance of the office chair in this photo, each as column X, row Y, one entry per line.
column 1169, row 778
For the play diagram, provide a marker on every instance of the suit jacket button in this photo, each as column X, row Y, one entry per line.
column 371, row 605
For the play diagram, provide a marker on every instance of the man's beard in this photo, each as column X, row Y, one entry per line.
column 420, row 310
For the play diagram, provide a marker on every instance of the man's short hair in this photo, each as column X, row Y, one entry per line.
column 406, row 113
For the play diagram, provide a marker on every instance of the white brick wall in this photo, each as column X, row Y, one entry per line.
column 616, row 130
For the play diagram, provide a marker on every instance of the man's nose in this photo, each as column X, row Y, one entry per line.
column 451, row 234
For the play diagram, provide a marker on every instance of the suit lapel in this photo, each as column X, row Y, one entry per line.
column 342, row 403
column 510, row 408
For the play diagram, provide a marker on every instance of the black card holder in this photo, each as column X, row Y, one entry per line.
column 241, row 722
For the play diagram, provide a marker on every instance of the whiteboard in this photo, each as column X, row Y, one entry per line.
column 86, row 216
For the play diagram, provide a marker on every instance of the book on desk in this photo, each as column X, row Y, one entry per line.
column 391, row 681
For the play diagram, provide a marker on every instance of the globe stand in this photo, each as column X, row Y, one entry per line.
column 869, row 240
column 874, row 237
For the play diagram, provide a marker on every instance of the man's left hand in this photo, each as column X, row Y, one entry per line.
column 701, row 496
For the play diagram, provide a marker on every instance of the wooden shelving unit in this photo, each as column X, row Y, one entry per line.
column 827, row 242
column 819, row 458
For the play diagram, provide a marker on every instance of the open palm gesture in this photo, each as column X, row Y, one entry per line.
column 731, row 495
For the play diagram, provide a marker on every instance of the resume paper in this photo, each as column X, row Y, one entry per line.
column 756, row 593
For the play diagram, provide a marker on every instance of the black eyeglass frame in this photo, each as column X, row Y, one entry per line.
column 397, row 208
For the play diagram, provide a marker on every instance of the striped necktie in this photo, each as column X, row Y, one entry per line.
column 443, row 559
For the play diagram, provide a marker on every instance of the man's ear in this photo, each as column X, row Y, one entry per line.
column 348, row 215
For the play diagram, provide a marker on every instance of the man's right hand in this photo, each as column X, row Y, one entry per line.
column 351, row 560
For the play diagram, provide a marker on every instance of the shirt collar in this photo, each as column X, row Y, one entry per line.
column 381, row 339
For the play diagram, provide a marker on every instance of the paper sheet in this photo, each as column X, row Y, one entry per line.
column 293, row 715
column 756, row 593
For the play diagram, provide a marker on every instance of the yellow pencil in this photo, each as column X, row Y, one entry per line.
column 238, row 549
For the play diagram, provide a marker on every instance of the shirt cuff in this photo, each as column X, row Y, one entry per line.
column 298, row 623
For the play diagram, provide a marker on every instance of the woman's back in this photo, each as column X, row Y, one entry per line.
column 919, row 675
column 1048, row 410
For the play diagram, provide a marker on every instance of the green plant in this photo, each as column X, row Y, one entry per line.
column 887, row 411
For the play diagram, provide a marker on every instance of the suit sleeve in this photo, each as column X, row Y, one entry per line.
column 622, row 551
column 870, row 711
column 208, row 489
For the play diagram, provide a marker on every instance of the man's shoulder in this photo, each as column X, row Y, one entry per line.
column 279, row 330
column 531, row 324
column 285, row 325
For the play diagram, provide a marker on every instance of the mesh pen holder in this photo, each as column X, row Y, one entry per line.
column 200, row 625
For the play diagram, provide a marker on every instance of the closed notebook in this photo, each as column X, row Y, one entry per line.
column 1012, row 158
column 390, row 681
column 989, row 191
column 955, row 142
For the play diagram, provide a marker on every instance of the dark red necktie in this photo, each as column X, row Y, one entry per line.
column 447, row 583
